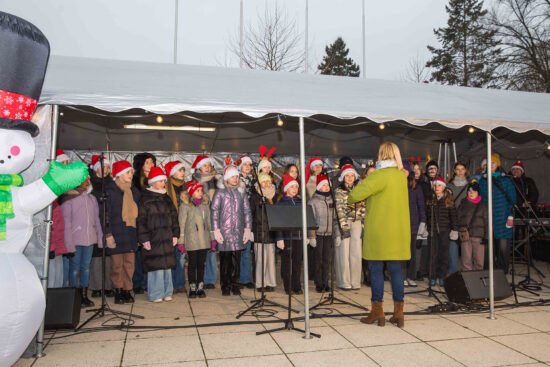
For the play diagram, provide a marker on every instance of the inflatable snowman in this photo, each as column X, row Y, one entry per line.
column 23, row 59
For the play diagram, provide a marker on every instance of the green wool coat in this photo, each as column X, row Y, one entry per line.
column 387, row 224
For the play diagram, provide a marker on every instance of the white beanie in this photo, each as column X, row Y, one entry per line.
column 229, row 172
column 263, row 163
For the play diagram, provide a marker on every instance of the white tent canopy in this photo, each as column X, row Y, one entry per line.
column 115, row 86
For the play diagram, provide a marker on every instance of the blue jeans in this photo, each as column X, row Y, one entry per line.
column 377, row 280
column 139, row 280
column 160, row 284
column 65, row 271
column 453, row 257
column 246, row 265
column 80, row 264
column 178, row 274
column 211, row 273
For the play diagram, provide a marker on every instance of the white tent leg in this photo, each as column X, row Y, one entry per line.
column 490, row 231
column 304, row 226
column 40, row 337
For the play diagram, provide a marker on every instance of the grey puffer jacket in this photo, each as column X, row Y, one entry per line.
column 323, row 210
column 195, row 223
column 231, row 215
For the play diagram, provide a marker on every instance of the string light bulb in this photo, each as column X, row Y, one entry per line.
column 381, row 126
column 280, row 121
column 160, row 119
column 471, row 130
column 548, row 147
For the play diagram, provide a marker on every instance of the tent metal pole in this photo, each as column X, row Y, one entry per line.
column 306, row 61
column 490, row 231
column 439, row 155
column 454, row 151
column 44, row 279
column 363, row 43
column 304, row 226
column 241, row 35
column 176, row 32
column 446, row 147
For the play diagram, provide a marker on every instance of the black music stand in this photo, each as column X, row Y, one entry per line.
column 288, row 218
column 100, row 312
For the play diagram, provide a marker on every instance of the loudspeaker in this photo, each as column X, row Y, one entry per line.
column 467, row 286
column 62, row 308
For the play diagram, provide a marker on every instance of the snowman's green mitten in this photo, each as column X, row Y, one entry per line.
column 61, row 178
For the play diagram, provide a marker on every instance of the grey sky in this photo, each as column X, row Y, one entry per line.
column 396, row 30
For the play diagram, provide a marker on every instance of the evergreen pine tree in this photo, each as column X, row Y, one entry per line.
column 336, row 62
column 469, row 53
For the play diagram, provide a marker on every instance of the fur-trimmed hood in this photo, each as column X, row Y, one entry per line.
column 186, row 199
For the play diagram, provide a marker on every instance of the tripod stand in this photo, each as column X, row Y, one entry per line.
column 330, row 299
column 528, row 284
column 288, row 218
column 431, row 292
column 100, row 312
column 262, row 301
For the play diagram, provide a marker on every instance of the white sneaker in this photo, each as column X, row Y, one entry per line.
column 168, row 299
column 157, row 300
column 405, row 283
column 411, row 282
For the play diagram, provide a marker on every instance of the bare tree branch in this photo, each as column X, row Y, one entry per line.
column 416, row 72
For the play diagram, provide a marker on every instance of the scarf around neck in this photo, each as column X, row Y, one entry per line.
column 158, row 191
column 6, row 204
column 129, row 206
column 385, row 164
column 172, row 192
column 268, row 193
column 460, row 181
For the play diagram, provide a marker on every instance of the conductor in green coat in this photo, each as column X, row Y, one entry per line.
column 387, row 230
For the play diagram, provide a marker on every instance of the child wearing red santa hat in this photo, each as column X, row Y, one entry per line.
column 158, row 232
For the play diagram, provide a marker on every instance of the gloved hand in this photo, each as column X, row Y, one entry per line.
column 246, row 236
column 453, row 236
column 181, row 247
column 110, row 240
column 61, row 178
column 281, row 244
column 69, row 255
column 422, row 230
column 218, row 236
column 510, row 222
column 346, row 234
column 147, row 245
column 337, row 241
column 52, row 255
column 174, row 241
column 313, row 242
column 213, row 245
column 251, row 237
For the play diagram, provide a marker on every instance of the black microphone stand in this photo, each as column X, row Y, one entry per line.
column 528, row 284
column 100, row 312
column 330, row 299
column 262, row 301
column 431, row 292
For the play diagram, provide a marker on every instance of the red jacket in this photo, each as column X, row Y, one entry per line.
column 57, row 241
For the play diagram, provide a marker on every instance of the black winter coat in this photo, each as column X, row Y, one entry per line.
column 125, row 237
column 260, row 226
column 157, row 223
column 526, row 186
column 479, row 225
column 445, row 219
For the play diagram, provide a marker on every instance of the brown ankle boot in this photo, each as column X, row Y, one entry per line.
column 376, row 314
column 398, row 318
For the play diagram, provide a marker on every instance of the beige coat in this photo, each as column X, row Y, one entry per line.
column 195, row 223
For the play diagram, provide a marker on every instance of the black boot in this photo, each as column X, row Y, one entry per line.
column 200, row 290
column 128, row 298
column 86, row 302
column 109, row 293
column 96, row 293
column 192, row 290
column 119, row 299
column 236, row 290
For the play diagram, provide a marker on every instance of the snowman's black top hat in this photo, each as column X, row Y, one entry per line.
column 24, row 53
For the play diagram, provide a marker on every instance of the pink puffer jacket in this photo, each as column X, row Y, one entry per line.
column 231, row 215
